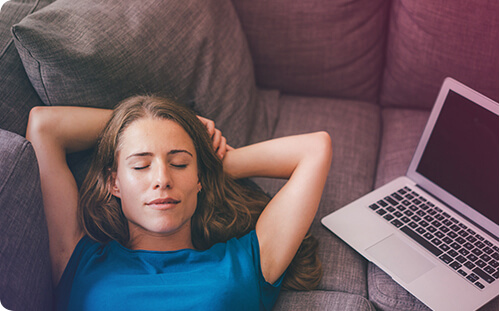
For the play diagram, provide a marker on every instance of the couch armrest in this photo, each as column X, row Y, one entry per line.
column 25, row 276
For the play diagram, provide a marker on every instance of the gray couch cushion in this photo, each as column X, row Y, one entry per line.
column 429, row 40
column 17, row 95
column 96, row 53
column 25, row 277
column 317, row 48
column 354, row 127
column 322, row 300
column 401, row 133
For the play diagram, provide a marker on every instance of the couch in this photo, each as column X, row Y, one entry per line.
column 366, row 71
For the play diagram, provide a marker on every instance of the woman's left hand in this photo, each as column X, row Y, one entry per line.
column 219, row 142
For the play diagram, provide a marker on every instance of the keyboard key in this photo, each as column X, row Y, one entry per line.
column 381, row 212
column 468, row 246
column 446, row 239
column 477, row 252
column 436, row 241
column 391, row 200
column 472, row 277
column 446, row 259
column 464, row 252
column 382, row 203
column 431, row 229
column 480, row 263
column 488, row 250
column 388, row 217
column 462, row 272
column 489, row 270
column 461, row 259
column 472, row 257
column 485, row 276
column 440, row 235
column 397, row 223
column 455, row 265
column 453, row 253
column 426, row 244
column 396, row 196
column 471, row 239
column 479, row 244
column 423, row 223
column 444, row 247
column 374, row 206
column 470, row 265
column 413, row 225
column 463, row 233
column 485, row 257
column 455, row 228
column 479, row 285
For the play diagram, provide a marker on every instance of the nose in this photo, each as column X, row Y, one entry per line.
column 163, row 179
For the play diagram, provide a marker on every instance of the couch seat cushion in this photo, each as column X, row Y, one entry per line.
column 354, row 128
column 322, row 300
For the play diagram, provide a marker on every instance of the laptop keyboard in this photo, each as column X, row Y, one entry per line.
column 465, row 251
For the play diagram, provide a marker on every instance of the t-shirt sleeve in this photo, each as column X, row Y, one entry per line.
column 268, row 292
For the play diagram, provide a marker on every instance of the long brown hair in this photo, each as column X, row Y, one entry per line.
column 226, row 207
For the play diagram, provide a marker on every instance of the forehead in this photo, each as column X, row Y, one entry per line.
column 154, row 135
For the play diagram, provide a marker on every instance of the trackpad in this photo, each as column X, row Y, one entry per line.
column 400, row 258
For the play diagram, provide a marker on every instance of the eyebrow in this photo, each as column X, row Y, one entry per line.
column 149, row 154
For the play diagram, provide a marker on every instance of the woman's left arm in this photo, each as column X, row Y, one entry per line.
column 303, row 159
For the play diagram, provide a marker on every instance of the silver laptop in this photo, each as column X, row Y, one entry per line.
column 435, row 230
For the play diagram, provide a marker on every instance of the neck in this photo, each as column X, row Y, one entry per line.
column 141, row 239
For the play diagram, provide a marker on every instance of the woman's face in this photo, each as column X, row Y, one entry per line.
column 157, row 178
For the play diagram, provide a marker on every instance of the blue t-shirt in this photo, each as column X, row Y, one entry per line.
column 111, row 277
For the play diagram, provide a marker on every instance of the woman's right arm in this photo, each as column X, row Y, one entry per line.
column 55, row 132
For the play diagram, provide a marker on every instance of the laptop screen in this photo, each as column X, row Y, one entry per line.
column 461, row 155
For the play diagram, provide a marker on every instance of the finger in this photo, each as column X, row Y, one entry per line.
column 222, row 150
column 216, row 138
column 209, row 124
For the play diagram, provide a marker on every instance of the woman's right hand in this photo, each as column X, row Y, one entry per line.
column 219, row 142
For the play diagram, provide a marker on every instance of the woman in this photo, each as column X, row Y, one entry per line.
column 160, row 221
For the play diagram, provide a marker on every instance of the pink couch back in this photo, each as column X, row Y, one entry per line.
column 394, row 52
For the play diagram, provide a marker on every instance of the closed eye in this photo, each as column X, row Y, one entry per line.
column 138, row 168
column 179, row 165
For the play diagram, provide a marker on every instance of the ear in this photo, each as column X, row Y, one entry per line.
column 114, row 185
column 199, row 186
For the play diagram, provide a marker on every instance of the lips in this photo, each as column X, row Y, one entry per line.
column 163, row 203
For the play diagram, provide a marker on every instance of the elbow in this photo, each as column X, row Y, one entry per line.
column 40, row 122
column 323, row 143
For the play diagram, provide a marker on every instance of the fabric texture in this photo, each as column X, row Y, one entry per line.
column 25, row 273
column 401, row 131
column 111, row 277
column 354, row 127
column 97, row 53
column 430, row 40
column 319, row 48
column 17, row 95
column 322, row 300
